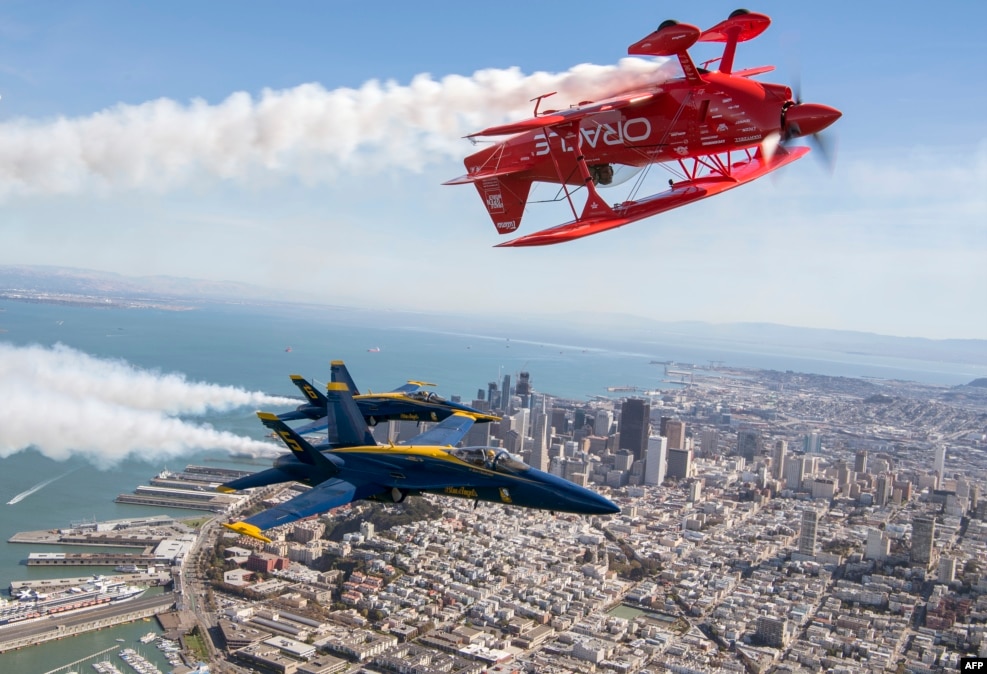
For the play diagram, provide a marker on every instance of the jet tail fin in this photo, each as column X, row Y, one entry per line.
column 351, row 427
column 338, row 372
column 298, row 445
column 312, row 395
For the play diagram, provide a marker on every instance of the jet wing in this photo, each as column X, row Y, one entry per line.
column 449, row 432
column 323, row 497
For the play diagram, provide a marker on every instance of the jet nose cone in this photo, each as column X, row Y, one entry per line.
column 603, row 506
column 805, row 119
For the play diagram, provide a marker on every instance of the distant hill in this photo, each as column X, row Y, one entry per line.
column 618, row 330
column 71, row 281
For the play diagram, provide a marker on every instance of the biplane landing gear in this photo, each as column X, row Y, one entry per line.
column 371, row 421
column 398, row 495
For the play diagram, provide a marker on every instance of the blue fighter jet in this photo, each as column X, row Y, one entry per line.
column 354, row 467
column 408, row 402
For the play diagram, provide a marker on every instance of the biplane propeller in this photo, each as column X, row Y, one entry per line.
column 712, row 129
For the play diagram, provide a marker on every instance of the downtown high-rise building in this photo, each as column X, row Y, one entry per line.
column 812, row 443
column 860, row 462
column 602, row 422
column 675, row 432
column 635, row 426
column 709, row 442
column 807, row 535
column 655, row 463
column 923, row 536
column 679, row 464
column 794, row 471
column 940, row 465
column 778, row 459
column 539, row 443
column 749, row 444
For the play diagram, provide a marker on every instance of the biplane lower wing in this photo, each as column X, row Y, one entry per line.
column 680, row 194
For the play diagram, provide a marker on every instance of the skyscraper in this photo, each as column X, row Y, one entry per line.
column 523, row 387
column 539, row 443
column 749, row 444
column 860, row 462
column 807, row 535
column 923, row 535
column 679, row 463
column 559, row 421
column 940, row 465
column 778, row 459
column 655, row 462
column 812, row 443
column 882, row 489
column 634, row 426
column 675, row 432
column 794, row 471
column 709, row 442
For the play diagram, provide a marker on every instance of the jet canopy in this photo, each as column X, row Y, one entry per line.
column 491, row 458
column 427, row 397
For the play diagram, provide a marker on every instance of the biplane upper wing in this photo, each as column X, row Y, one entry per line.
column 679, row 194
column 563, row 117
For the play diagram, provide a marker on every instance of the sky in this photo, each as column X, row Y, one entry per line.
column 302, row 146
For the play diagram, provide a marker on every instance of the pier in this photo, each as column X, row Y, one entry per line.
column 91, row 559
column 50, row 584
column 52, row 628
column 81, row 660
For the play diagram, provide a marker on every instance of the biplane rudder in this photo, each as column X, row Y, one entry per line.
column 504, row 197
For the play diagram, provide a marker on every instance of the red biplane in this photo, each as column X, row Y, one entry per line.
column 713, row 129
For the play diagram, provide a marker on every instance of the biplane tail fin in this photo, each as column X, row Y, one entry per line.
column 504, row 191
column 504, row 197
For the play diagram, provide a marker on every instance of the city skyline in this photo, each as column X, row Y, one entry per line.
column 295, row 147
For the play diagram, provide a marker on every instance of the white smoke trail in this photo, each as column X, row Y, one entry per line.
column 65, row 403
column 307, row 131
column 78, row 375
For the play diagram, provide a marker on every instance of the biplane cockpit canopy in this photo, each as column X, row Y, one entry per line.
column 491, row 458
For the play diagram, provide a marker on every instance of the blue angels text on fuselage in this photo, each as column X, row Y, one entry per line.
column 351, row 467
column 408, row 402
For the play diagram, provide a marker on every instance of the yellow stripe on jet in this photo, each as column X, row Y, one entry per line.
column 337, row 386
column 247, row 530
column 223, row 489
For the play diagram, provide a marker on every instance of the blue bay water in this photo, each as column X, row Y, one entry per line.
column 248, row 347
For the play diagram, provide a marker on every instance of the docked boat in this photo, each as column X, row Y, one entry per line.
column 31, row 604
